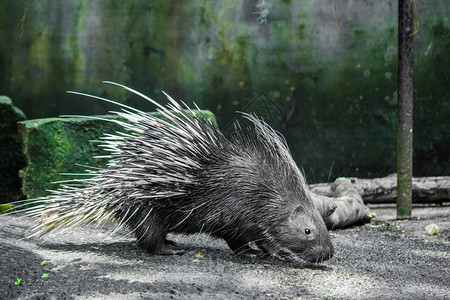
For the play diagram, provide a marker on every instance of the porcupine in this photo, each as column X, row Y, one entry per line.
column 184, row 176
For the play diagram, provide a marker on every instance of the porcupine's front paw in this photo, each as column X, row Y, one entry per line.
column 242, row 247
column 285, row 255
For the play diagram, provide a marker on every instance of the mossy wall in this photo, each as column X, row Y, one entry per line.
column 331, row 91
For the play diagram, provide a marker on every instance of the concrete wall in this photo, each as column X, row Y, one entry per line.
column 331, row 91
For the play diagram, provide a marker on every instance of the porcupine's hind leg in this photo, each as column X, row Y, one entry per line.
column 151, row 236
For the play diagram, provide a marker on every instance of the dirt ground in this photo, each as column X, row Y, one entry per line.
column 387, row 259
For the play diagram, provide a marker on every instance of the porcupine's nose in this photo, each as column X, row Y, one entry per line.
column 320, row 253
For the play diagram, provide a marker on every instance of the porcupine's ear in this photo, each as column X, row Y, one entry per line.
column 299, row 210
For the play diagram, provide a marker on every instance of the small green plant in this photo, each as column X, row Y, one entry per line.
column 6, row 208
column 263, row 11
column 45, row 276
column 371, row 215
column 44, row 262
column 18, row 281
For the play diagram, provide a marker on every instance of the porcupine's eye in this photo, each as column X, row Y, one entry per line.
column 307, row 231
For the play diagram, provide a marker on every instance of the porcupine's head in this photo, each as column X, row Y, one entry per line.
column 305, row 235
column 293, row 225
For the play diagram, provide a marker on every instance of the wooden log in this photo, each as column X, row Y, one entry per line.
column 383, row 190
column 350, row 208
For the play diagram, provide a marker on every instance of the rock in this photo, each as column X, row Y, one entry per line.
column 432, row 229
column 11, row 158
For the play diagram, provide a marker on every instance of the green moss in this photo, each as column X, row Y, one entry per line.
column 358, row 32
column 301, row 31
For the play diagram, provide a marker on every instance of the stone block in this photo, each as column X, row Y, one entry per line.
column 11, row 158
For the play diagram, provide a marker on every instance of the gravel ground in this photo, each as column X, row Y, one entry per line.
column 383, row 260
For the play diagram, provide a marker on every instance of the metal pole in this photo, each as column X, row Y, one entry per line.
column 405, row 108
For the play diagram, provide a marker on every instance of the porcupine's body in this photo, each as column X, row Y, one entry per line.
column 186, row 177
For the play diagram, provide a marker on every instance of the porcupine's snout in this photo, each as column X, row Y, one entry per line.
column 319, row 253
